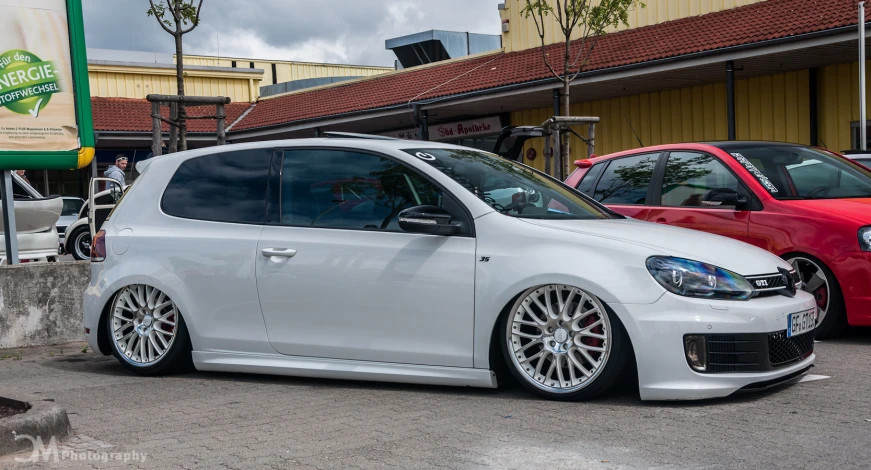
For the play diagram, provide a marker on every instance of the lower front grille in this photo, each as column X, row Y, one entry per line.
column 784, row 351
column 755, row 352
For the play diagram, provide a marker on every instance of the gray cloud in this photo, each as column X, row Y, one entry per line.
column 309, row 30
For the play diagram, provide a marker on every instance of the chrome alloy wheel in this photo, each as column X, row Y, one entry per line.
column 560, row 337
column 143, row 324
column 815, row 283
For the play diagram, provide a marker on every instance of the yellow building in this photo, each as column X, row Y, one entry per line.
column 129, row 74
column 519, row 31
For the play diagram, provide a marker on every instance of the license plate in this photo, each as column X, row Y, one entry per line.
column 800, row 323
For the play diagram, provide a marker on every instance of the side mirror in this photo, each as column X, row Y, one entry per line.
column 726, row 197
column 427, row 219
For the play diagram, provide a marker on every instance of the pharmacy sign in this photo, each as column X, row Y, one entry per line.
column 45, row 112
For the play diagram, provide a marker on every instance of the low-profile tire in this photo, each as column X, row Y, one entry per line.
column 79, row 243
column 147, row 332
column 563, row 343
column 818, row 280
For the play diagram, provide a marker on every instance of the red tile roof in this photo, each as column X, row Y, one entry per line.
column 134, row 115
column 762, row 21
column 767, row 20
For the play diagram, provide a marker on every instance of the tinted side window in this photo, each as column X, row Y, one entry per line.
column 626, row 180
column 349, row 190
column 223, row 187
column 693, row 179
column 589, row 180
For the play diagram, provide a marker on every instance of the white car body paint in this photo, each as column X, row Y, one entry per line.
column 426, row 305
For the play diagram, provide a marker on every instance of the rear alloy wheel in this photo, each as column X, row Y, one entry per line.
column 819, row 281
column 147, row 331
column 563, row 343
column 80, row 243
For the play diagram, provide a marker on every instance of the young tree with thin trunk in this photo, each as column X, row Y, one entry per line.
column 588, row 18
column 178, row 17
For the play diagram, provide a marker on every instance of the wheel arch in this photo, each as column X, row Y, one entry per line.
column 164, row 283
column 496, row 362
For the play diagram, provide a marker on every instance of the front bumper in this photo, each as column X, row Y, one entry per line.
column 657, row 331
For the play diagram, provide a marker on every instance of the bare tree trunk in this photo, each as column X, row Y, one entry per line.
column 179, row 72
column 564, row 136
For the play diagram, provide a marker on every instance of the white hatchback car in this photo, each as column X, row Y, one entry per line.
column 392, row 260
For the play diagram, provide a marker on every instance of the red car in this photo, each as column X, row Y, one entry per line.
column 807, row 205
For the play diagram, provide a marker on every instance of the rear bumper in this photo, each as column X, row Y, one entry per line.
column 35, row 246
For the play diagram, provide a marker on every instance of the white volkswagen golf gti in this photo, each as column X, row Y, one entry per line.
column 405, row 261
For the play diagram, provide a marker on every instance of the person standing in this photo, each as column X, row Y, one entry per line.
column 116, row 171
column 21, row 174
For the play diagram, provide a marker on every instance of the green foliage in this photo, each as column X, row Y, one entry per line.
column 591, row 17
column 14, row 355
column 594, row 17
column 179, row 15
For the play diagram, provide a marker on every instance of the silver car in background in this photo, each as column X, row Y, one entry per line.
column 35, row 219
column 69, row 214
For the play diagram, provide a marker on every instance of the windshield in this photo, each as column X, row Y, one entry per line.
column 510, row 188
column 794, row 172
column 71, row 207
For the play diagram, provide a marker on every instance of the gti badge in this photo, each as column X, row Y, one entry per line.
column 761, row 283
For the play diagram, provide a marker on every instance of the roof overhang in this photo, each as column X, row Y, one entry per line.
column 757, row 59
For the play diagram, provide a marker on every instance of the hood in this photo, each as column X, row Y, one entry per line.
column 113, row 167
column 858, row 209
column 665, row 240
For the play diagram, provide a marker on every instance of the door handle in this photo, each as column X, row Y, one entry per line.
column 282, row 252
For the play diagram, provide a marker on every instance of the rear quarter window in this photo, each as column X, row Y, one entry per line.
column 588, row 182
column 221, row 187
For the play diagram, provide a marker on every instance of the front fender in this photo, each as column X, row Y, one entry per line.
column 534, row 256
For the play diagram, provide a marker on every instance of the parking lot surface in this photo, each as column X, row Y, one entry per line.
column 205, row 420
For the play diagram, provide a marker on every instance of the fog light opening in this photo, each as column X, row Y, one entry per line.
column 696, row 352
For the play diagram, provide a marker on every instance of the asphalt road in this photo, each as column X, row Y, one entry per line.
column 206, row 420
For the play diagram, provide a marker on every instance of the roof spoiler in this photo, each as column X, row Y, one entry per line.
column 143, row 165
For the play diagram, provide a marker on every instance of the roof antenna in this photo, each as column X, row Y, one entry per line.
column 633, row 129
column 824, row 143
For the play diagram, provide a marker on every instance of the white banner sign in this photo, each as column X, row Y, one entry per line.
column 453, row 130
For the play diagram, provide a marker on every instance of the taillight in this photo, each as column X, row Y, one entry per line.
column 98, row 247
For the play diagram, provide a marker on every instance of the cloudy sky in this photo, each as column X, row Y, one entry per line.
column 339, row 31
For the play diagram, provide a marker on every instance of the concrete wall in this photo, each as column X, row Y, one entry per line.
column 42, row 303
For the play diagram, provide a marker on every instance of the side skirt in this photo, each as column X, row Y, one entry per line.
column 343, row 369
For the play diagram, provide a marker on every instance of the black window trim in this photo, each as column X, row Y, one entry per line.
column 659, row 176
column 277, row 178
column 604, row 166
column 650, row 190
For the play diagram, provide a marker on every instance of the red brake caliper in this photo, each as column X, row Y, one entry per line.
column 596, row 342
column 822, row 296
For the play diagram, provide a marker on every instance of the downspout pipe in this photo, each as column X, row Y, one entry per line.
column 730, row 98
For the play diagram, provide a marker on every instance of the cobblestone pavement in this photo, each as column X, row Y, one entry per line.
column 216, row 421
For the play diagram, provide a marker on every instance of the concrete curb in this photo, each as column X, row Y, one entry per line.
column 43, row 419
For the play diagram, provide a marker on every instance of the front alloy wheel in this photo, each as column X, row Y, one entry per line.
column 561, row 342
column 148, row 334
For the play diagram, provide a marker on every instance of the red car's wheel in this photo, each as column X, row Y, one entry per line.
column 818, row 280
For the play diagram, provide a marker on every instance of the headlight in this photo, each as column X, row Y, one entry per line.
column 865, row 238
column 694, row 279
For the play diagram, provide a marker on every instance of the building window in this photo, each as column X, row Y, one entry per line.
column 234, row 64
column 854, row 135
